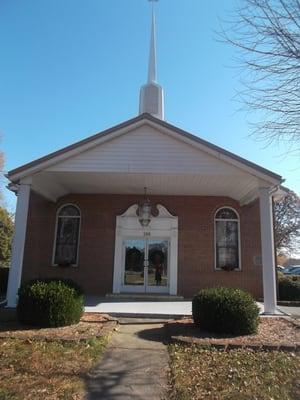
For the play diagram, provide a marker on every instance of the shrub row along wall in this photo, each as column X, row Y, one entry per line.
column 288, row 288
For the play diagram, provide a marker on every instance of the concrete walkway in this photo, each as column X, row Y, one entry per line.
column 292, row 311
column 135, row 364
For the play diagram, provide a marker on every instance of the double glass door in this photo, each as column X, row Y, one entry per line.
column 146, row 265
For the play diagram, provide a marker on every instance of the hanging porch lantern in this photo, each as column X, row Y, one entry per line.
column 144, row 211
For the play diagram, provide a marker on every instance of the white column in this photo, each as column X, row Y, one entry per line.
column 173, row 257
column 268, row 254
column 15, row 272
column 117, row 283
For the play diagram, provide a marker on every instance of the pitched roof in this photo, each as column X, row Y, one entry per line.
column 52, row 156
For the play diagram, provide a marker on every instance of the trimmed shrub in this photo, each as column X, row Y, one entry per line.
column 289, row 289
column 226, row 310
column 50, row 303
column 68, row 282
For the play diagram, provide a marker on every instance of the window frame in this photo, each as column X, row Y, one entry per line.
column 55, row 233
column 216, row 268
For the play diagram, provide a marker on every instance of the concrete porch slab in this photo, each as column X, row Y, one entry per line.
column 143, row 297
column 153, row 309
column 129, row 308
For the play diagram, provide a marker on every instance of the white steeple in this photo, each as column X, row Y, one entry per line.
column 152, row 55
column 151, row 94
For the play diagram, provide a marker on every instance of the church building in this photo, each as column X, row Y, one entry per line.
column 145, row 207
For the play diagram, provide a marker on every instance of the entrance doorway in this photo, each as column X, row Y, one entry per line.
column 146, row 265
column 146, row 257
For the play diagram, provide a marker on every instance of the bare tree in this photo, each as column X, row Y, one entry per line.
column 267, row 35
column 287, row 223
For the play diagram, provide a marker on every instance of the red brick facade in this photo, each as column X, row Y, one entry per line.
column 97, row 240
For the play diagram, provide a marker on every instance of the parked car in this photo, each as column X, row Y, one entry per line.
column 279, row 268
column 292, row 270
column 296, row 271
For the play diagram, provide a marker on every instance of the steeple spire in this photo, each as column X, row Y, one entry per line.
column 151, row 94
column 152, row 55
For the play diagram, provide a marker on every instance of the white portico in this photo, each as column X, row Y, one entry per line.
column 100, row 165
column 147, row 151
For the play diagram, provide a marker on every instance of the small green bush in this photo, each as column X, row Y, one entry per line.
column 50, row 303
column 226, row 310
column 289, row 289
column 68, row 282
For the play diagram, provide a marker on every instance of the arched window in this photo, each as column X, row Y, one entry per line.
column 67, row 235
column 227, row 239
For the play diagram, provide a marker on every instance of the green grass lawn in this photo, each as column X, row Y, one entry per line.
column 46, row 370
column 210, row 374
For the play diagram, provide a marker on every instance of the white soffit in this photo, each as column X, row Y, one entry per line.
column 57, row 184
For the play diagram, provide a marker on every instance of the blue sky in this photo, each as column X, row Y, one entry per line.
column 71, row 68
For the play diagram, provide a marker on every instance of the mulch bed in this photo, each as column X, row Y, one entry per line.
column 276, row 333
column 91, row 325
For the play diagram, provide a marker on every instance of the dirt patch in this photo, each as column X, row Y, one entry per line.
column 271, row 331
column 52, row 370
column 91, row 325
column 199, row 373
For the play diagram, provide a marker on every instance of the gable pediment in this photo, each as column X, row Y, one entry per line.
column 144, row 152
column 148, row 150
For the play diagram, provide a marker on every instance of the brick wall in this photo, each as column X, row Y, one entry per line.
column 96, row 251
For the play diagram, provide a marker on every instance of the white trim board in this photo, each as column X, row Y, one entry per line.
column 164, row 225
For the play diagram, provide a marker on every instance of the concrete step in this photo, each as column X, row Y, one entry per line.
column 143, row 297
